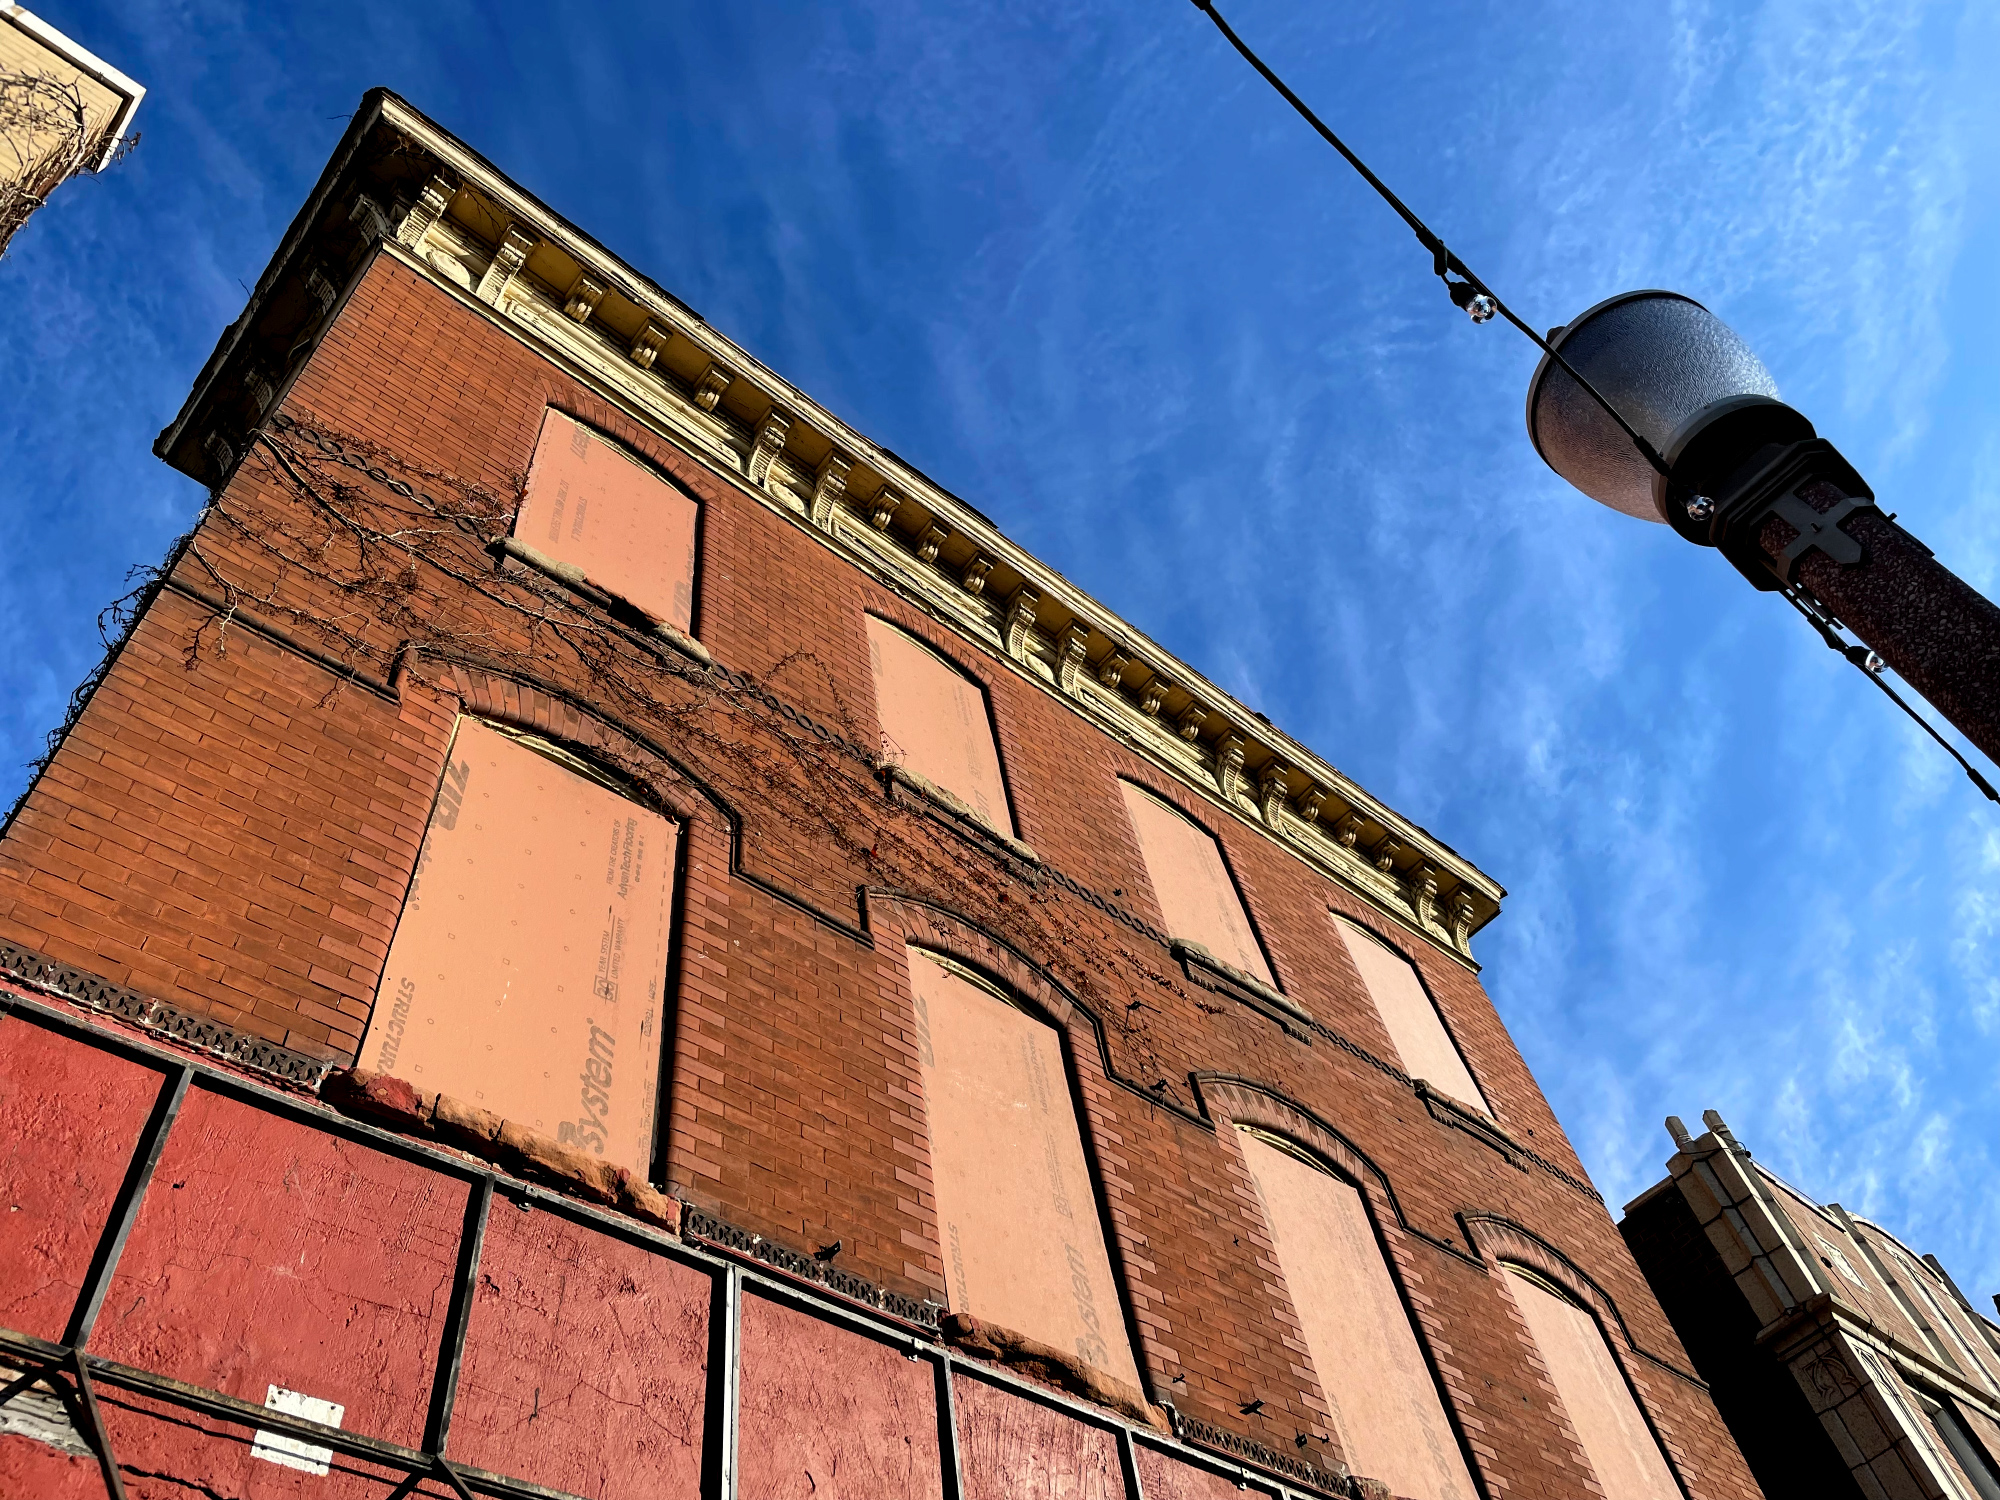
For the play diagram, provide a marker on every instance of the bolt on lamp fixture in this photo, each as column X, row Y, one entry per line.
column 1732, row 467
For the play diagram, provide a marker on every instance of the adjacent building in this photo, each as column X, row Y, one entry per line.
column 1845, row 1363
column 62, row 111
column 603, row 935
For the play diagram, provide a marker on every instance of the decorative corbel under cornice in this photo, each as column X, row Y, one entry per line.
column 829, row 485
column 1309, row 802
column 320, row 287
column 1069, row 656
column 714, row 381
column 259, row 387
column 369, row 215
column 1462, row 912
column 767, row 445
column 581, row 304
column 1111, row 671
column 1422, row 885
column 648, row 342
column 426, row 211
column 1384, row 854
column 1272, row 790
column 505, row 265
column 935, row 536
column 882, row 509
column 1347, row 830
column 1228, row 761
column 1193, row 719
column 1020, row 627
column 974, row 576
column 1155, row 695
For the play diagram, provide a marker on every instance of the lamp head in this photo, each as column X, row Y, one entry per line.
column 1674, row 371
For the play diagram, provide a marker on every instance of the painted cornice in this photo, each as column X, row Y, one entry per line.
column 401, row 186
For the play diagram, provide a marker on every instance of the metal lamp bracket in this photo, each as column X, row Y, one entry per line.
column 1816, row 529
column 1774, row 490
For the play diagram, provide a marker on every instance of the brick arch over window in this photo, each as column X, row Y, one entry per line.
column 1425, row 1415
column 987, row 1038
column 521, row 705
column 1239, row 1101
column 547, row 710
column 1503, row 1243
column 899, row 918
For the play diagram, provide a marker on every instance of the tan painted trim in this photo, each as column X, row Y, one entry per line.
column 87, row 63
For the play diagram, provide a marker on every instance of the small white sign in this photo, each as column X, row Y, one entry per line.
column 276, row 1448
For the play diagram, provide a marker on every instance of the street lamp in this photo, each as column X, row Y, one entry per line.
column 1701, row 441
column 1652, row 404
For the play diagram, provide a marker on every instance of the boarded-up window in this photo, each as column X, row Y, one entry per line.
column 592, row 505
column 527, row 971
column 934, row 722
column 1423, row 1046
column 1384, row 1404
column 1192, row 884
column 1023, row 1247
column 1623, row 1453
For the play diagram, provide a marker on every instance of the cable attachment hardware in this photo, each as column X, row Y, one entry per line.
column 1876, row 670
column 1476, row 304
column 1467, row 295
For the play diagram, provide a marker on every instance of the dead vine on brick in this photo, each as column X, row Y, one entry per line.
column 401, row 560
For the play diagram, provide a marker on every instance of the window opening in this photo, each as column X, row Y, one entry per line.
column 1018, row 1226
column 934, row 722
column 1623, row 1453
column 1383, row 1399
column 1971, row 1455
column 1920, row 1277
column 594, row 506
column 1424, row 1047
column 1191, row 882
column 528, row 971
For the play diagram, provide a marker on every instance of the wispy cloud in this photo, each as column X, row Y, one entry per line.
column 1084, row 269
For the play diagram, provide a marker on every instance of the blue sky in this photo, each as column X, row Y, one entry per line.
column 1081, row 267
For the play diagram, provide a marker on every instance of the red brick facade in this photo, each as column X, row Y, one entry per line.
column 231, row 824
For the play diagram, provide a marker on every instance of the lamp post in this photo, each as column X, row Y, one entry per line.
column 1740, row 471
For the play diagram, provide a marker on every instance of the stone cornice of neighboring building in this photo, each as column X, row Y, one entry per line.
column 87, row 63
column 400, row 185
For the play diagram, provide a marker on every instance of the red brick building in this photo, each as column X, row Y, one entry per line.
column 602, row 935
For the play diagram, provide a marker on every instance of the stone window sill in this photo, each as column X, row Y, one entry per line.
column 1211, row 973
column 572, row 578
column 907, row 789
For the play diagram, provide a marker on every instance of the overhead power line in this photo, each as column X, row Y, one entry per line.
column 1482, row 303
column 1470, row 293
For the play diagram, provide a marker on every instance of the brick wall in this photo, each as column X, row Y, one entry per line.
column 232, row 821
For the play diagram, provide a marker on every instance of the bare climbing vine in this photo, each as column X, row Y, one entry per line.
column 46, row 138
column 385, row 565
